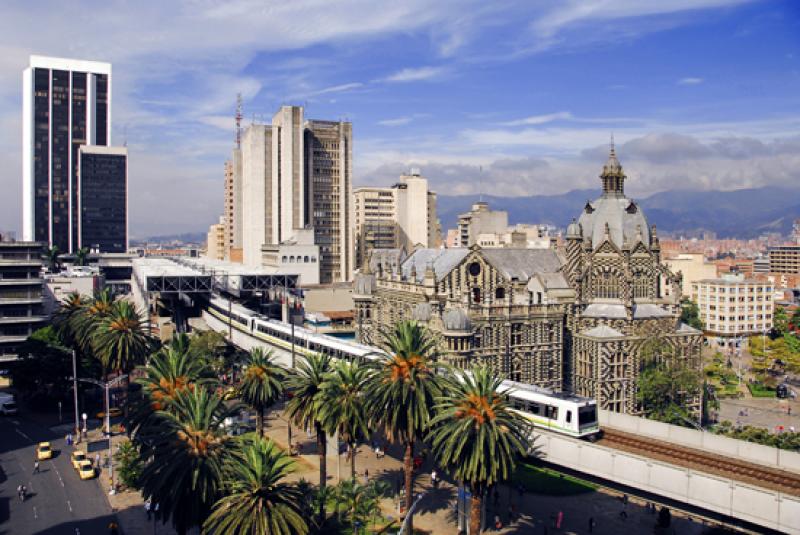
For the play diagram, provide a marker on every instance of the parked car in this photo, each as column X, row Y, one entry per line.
column 78, row 457
column 86, row 470
column 43, row 451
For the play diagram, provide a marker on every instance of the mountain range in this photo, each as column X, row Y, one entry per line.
column 745, row 213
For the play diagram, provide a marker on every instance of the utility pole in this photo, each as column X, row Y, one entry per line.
column 288, row 420
column 75, row 395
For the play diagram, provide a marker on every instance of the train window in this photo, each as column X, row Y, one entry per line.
column 569, row 417
column 551, row 412
column 535, row 408
column 587, row 415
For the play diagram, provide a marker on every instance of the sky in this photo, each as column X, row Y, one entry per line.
column 503, row 97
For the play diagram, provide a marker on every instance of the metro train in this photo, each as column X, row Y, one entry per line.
column 557, row 412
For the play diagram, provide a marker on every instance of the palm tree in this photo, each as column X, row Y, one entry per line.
column 402, row 393
column 84, row 324
column 187, row 450
column 119, row 340
column 51, row 255
column 303, row 408
column 476, row 434
column 257, row 498
column 81, row 256
column 262, row 383
column 341, row 405
column 64, row 318
column 169, row 371
column 361, row 502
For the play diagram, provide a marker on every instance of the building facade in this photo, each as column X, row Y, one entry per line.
column 216, row 244
column 578, row 320
column 387, row 218
column 692, row 267
column 733, row 308
column 785, row 259
column 65, row 104
column 233, row 206
column 21, row 294
column 103, row 198
column 480, row 220
column 296, row 175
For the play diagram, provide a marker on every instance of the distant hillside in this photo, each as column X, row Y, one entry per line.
column 187, row 237
column 740, row 214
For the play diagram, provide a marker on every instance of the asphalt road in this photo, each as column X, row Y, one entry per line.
column 58, row 502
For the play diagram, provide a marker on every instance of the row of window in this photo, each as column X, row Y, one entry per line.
column 291, row 259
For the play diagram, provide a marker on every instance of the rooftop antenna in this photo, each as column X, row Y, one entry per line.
column 238, row 118
column 612, row 143
column 480, row 183
column 125, row 135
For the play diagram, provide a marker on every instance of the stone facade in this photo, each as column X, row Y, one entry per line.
column 574, row 320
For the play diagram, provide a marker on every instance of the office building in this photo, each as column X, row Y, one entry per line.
column 215, row 240
column 21, row 301
column 733, row 308
column 233, row 206
column 65, row 104
column 103, row 199
column 480, row 221
column 329, row 173
column 785, row 259
column 401, row 216
column 692, row 267
column 297, row 175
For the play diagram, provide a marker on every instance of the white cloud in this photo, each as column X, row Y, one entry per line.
column 400, row 121
column 540, row 119
column 690, row 81
column 415, row 74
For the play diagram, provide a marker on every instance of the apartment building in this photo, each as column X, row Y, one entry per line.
column 479, row 222
column 785, row 259
column 21, row 287
column 216, row 240
column 693, row 267
column 400, row 216
column 733, row 308
column 233, row 206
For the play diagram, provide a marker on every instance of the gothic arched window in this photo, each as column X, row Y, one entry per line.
column 641, row 284
column 606, row 285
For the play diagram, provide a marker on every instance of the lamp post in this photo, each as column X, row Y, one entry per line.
column 75, row 394
column 289, row 420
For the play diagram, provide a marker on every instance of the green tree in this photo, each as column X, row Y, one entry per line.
column 476, row 435
column 52, row 256
column 258, row 500
column 305, row 383
column 403, row 390
column 129, row 464
column 780, row 321
column 690, row 314
column 667, row 385
column 262, row 383
column 186, row 452
column 81, row 256
column 360, row 503
column 43, row 369
column 120, row 341
column 341, row 405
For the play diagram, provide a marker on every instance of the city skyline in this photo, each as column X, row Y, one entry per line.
column 528, row 94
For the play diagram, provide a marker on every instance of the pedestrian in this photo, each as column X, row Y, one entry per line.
column 591, row 524
column 20, row 492
column 434, row 479
column 36, row 466
column 97, row 460
column 147, row 508
column 366, row 476
column 497, row 523
column 559, row 519
column 113, row 529
column 68, row 439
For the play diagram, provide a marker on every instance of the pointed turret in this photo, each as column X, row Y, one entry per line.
column 613, row 177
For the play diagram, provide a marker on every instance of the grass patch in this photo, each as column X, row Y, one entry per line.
column 541, row 480
column 758, row 390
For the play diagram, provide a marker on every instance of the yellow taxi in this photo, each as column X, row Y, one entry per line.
column 86, row 470
column 43, row 451
column 77, row 457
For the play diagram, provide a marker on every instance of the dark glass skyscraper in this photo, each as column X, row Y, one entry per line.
column 66, row 104
column 103, row 199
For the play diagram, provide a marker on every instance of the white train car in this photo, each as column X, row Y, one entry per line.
column 557, row 412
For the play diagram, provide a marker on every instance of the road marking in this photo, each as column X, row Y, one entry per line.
column 57, row 473
column 34, row 512
column 69, row 505
column 23, row 434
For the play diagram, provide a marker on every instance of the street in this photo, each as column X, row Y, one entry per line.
column 57, row 500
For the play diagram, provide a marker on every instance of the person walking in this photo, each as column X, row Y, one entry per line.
column 148, row 508
column 559, row 519
column 21, row 493
column 434, row 479
column 36, row 466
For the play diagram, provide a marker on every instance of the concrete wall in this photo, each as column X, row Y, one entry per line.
column 730, row 447
column 767, row 508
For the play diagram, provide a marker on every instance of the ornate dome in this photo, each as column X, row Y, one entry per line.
column 421, row 312
column 456, row 319
column 624, row 220
column 364, row 284
column 574, row 229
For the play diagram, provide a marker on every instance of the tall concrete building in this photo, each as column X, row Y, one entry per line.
column 233, row 206
column 297, row 174
column 401, row 216
column 215, row 240
column 480, row 220
column 329, row 173
column 66, row 103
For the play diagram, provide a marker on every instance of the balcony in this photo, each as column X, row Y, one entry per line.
column 20, row 282
column 6, row 320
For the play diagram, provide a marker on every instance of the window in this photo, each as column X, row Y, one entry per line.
column 474, row 269
column 569, row 417
column 500, row 293
column 476, row 295
column 305, row 259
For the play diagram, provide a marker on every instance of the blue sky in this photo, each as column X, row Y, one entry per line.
column 700, row 94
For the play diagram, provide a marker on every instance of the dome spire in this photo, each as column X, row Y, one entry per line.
column 613, row 177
